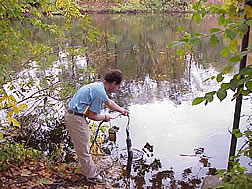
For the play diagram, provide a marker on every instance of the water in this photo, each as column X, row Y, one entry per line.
column 158, row 90
column 161, row 92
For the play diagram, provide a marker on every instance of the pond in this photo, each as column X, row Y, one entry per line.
column 159, row 91
column 188, row 141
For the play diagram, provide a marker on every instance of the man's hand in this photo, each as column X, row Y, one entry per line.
column 107, row 118
column 124, row 112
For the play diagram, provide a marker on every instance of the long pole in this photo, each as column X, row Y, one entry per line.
column 238, row 105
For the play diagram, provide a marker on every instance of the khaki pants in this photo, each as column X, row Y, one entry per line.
column 80, row 134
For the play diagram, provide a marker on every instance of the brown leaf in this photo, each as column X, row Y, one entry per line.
column 25, row 173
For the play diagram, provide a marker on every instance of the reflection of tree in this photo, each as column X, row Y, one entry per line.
column 151, row 175
column 141, row 44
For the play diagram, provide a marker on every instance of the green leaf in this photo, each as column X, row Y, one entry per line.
column 235, row 59
column 187, row 35
column 211, row 9
column 214, row 40
column 219, row 77
column 238, row 134
column 249, row 85
column 241, row 170
column 231, row 34
column 199, row 34
column 209, row 97
column 246, row 70
column 169, row 45
column 198, row 100
column 212, row 78
column 221, row 171
column 241, row 82
column 211, row 93
column 45, row 181
column 213, row 30
column 181, row 28
column 225, row 86
column 249, row 22
column 221, row 20
column 233, row 84
column 229, row 68
column 180, row 52
column 243, row 28
column 195, row 41
column 225, row 52
column 197, row 5
column 221, row 94
column 245, row 92
column 196, row 17
column 203, row 12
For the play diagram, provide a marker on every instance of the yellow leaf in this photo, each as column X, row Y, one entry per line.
column 9, row 104
column 248, row 11
column 9, row 114
column 228, row 2
column 23, row 107
column 1, row 135
column 16, row 109
column 16, row 123
column 11, row 101
column 10, row 120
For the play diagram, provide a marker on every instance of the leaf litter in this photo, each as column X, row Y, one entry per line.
column 34, row 174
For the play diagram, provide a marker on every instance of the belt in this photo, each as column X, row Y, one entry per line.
column 76, row 113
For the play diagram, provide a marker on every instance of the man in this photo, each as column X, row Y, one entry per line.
column 87, row 102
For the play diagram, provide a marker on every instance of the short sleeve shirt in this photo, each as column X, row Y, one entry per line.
column 93, row 94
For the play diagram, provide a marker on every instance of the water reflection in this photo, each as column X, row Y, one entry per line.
column 148, row 173
column 158, row 91
column 141, row 42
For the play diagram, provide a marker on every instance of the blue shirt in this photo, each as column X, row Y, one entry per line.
column 93, row 94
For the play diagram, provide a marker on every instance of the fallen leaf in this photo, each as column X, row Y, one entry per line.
column 25, row 173
column 45, row 181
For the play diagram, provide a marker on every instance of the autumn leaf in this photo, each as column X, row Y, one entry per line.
column 1, row 135
column 25, row 173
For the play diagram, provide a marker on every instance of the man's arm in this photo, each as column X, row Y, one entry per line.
column 112, row 105
column 97, row 117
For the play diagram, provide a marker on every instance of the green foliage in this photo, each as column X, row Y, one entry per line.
column 15, row 153
column 23, row 47
column 233, row 26
column 149, row 6
column 239, row 84
column 237, row 177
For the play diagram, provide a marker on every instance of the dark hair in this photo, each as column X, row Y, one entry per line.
column 114, row 75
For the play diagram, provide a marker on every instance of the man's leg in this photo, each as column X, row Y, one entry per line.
column 80, row 134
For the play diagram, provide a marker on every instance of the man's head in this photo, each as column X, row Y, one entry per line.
column 113, row 80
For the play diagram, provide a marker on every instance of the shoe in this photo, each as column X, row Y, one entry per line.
column 97, row 180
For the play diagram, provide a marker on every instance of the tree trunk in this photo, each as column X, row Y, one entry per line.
column 238, row 104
